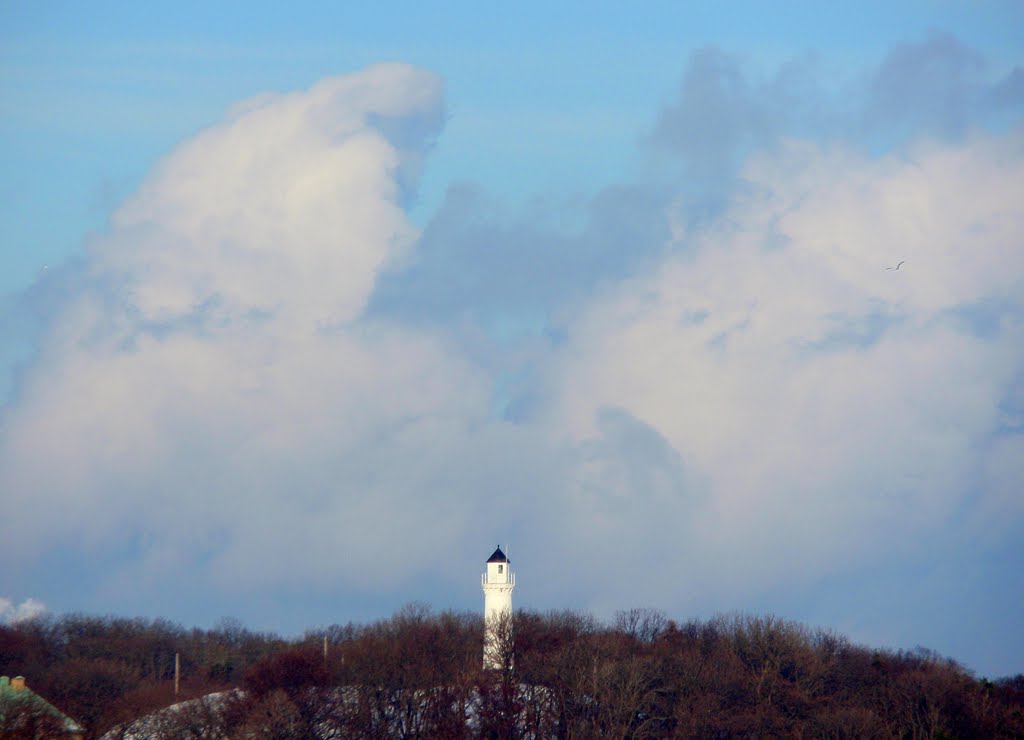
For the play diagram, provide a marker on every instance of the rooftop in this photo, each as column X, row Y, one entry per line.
column 498, row 557
column 14, row 691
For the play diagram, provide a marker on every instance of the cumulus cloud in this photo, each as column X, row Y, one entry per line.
column 12, row 613
column 262, row 377
column 292, row 190
column 481, row 262
column 213, row 393
column 815, row 410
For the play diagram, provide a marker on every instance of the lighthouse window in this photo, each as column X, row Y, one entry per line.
column 501, row 568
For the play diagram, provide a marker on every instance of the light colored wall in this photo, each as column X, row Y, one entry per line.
column 494, row 577
column 498, row 589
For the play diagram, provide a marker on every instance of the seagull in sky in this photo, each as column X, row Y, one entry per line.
column 897, row 266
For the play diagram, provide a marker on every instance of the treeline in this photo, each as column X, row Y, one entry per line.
column 419, row 675
column 103, row 671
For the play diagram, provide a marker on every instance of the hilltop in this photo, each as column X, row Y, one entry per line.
column 419, row 674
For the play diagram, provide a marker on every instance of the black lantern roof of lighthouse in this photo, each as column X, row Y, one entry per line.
column 498, row 556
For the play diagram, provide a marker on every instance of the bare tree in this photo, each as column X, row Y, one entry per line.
column 644, row 625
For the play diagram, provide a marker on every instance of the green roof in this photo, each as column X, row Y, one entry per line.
column 11, row 696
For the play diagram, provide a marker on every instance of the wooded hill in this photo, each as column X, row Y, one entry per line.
column 419, row 675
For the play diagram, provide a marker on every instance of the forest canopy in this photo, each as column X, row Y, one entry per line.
column 418, row 674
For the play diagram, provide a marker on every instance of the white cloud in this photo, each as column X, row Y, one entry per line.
column 11, row 613
column 758, row 410
column 290, row 205
column 825, row 410
column 214, row 395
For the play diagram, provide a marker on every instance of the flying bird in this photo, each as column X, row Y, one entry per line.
column 897, row 266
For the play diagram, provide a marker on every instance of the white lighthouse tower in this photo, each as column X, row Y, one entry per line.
column 498, row 582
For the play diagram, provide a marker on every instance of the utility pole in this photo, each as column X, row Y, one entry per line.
column 177, row 675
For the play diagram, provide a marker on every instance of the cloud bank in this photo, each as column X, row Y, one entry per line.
column 827, row 410
column 263, row 378
column 212, row 393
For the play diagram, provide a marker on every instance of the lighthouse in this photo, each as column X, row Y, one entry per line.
column 498, row 582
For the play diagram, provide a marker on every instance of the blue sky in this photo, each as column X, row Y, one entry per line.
column 302, row 308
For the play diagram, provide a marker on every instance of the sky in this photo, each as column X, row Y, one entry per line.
column 305, row 307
